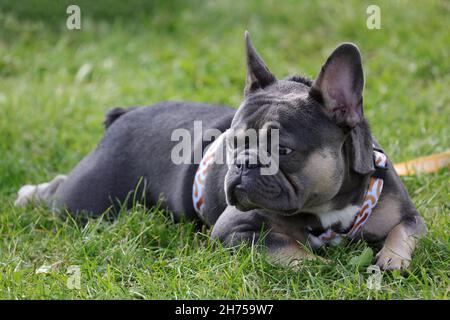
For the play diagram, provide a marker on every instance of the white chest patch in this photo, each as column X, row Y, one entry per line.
column 345, row 216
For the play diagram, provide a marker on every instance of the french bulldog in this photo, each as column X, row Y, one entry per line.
column 325, row 167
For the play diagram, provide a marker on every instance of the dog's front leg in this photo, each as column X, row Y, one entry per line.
column 400, row 243
column 235, row 227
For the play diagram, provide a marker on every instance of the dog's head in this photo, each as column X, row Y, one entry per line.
column 322, row 134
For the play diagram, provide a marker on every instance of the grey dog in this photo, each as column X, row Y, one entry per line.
column 326, row 163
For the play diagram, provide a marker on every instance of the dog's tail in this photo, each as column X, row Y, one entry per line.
column 114, row 114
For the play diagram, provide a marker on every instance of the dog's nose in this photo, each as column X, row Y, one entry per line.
column 246, row 165
column 247, row 162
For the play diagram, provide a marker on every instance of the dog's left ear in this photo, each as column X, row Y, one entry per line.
column 340, row 85
column 258, row 75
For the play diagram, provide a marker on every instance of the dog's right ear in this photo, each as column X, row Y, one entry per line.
column 258, row 75
column 340, row 84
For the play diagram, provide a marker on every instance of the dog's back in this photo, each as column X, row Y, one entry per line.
column 133, row 160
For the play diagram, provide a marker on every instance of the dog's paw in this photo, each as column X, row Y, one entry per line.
column 25, row 195
column 387, row 259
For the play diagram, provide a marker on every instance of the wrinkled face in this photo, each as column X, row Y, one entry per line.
column 313, row 121
column 310, row 161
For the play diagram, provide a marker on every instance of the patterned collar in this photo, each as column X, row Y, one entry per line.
column 370, row 201
column 198, row 190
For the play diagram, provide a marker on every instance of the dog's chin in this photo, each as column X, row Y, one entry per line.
column 245, row 207
column 243, row 201
column 244, row 204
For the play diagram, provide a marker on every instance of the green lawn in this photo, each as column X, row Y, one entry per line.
column 56, row 85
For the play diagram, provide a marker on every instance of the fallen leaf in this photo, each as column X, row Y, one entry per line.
column 364, row 259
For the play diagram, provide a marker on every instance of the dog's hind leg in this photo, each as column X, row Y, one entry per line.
column 39, row 194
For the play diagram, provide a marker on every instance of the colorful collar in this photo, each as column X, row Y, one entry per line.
column 198, row 190
column 370, row 201
column 329, row 236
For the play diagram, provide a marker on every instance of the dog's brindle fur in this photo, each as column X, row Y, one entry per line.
column 321, row 183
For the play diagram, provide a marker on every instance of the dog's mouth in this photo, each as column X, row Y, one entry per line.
column 239, row 197
column 276, row 194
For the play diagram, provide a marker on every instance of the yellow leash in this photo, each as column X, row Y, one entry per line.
column 428, row 164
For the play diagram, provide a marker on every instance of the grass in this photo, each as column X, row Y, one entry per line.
column 56, row 84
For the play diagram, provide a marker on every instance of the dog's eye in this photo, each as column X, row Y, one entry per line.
column 284, row 150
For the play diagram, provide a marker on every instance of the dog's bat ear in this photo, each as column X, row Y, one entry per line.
column 258, row 75
column 340, row 85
